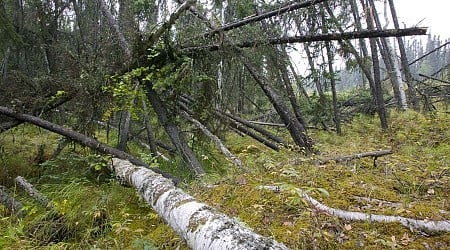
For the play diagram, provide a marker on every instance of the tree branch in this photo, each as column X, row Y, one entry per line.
column 80, row 138
column 315, row 38
column 426, row 225
column 374, row 154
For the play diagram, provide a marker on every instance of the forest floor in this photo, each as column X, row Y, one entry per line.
column 99, row 213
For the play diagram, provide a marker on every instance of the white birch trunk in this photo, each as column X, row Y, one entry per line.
column 426, row 225
column 200, row 225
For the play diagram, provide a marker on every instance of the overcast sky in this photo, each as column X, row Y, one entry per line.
column 434, row 14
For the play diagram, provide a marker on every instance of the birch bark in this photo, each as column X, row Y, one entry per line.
column 200, row 225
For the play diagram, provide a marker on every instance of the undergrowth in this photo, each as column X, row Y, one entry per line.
column 98, row 213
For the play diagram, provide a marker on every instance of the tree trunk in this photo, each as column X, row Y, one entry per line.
column 149, row 129
column 80, row 138
column 336, row 114
column 376, row 74
column 10, row 203
column 173, row 132
column 297, row 131
column 216, row 140
column 388, row 55
column 404, row 60
column 125, row 123
column 200, row 225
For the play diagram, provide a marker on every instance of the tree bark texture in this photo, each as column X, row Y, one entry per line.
column 33, row 192
column 173, row 132
column 200, row 225
column 10, row 203
column 80, row 138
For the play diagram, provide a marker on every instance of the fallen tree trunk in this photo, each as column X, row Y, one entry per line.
column 265, row 15
column 426, row 225
column 200, row 225
column 256, row 128
column 33, row 192
column 374, row 154
column 80, row 138
column 216, row 140
column 37, row 111
column 313, row 38
column 10, row 203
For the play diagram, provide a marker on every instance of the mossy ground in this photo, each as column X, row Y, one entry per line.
column 415, row 179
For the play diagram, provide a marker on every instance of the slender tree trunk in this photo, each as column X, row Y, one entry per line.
column 124, row 130
column 148, row 127
column 115, row 27
column 376, row 73
column 173, row 132
column 336, row 113
column 80, row 138
column 215, row 139
column 388, row 56
column 404, row 60
column 297, row 131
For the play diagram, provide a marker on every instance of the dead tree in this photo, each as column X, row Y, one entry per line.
column 78, row 137
column 200, row 225
column 14, row 206
column 215, row 139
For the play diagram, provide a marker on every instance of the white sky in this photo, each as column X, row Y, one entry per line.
column 434, row 14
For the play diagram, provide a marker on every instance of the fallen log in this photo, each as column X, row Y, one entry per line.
column 80, row 138
column 312, row 38
column 425, row 225
column 13, row 206
column 216, row 141
column 374, row 154
column 200, row 225
column 33, row 192
column 37, row 111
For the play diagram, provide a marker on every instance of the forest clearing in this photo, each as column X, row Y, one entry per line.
column 153, row 124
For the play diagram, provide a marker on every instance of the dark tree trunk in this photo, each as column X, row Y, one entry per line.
column 376, row 73
column 149, row 129
column 125, row 123
column 297, row 131
column 336, row 114
column 173, row 132
column 78, row 137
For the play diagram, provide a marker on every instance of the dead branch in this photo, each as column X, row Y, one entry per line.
column 33, row 192
column 14, row 206
column 434, row 78
column 314, row 38
column 426, row 225
column 374, row 154
column 262, row 16
column 216, row 140
column 80, row 138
